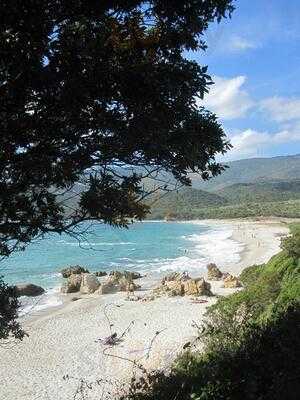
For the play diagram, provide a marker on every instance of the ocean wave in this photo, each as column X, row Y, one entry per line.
column 63, row 242
column 30, row 305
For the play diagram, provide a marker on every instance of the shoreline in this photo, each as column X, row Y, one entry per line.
column 64, row 340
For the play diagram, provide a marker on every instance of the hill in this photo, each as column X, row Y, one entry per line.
column 261, row 191
column 252, row 170
column 180, row 202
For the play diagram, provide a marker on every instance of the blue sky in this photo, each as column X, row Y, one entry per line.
column 254, row 59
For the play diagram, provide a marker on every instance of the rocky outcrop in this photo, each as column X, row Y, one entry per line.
column 29, row 289
column 115, row 276
column 127, row 285
column 174, row 288
column 77, row 269
column 213, row 272
column 100, row 273
column 180, row 284
column 89, row 283
column 175, row 276
column 107, row 288
column 232, row 282
column 73, row 283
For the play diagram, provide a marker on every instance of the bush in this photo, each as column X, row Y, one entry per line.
column 9, row 305
column 291, row 245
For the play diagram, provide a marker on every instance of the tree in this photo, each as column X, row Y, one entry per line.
column 97, row 96
column 99, row 92
column 9, row 305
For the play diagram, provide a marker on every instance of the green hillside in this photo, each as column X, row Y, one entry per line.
column 253, row 170
column 261, row 191
column 187, row 197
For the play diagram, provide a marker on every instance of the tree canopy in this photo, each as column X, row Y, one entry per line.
column 99, row 94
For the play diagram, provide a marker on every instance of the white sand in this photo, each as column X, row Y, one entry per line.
column 63, row 341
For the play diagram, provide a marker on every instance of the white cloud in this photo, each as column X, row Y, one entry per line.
column 251, row 143
column 227, row 98
column 281, row 109
column 238, row 43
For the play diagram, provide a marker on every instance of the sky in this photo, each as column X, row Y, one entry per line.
column 254, row 60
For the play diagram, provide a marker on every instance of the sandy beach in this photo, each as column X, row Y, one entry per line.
column 65, row 340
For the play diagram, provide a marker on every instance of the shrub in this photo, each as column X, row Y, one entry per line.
column 9, row 305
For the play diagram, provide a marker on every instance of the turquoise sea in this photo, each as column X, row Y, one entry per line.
column 148, row 247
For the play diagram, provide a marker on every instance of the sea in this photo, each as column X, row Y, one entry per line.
column 151, row 248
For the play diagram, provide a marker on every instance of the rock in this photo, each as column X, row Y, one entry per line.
column 134, row 275
column 175, row 288
column 100, row 273
column 75, row 298
column 225, row 275
column 197, row 287
column 127, row 285
column 203, row 287
column 190, row 287
column 107, row 288
column 29, row 289
column 117, row 275
column 175, row 276
column 66, row 272
column 73, row 284
column 89, row 283
column 232, row 282
column 213, row 272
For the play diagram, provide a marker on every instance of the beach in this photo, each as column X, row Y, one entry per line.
column 63, row 351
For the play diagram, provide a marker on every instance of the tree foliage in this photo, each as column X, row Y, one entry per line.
column 99, row 93
column 9, row 305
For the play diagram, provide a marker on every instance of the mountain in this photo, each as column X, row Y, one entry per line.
column 187, row 197
column 268, row 191
column 252, row 170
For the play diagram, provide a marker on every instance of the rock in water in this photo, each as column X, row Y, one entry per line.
column 29, row 289
column 100, row 273
column 77, row 269
column 213, row 272
column 232, row 282
column 89, row 283
column 73, row 284
column 116, row 276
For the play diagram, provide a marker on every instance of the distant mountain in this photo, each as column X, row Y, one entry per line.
column 268, row 191
column 252, row 170
column 185, row 198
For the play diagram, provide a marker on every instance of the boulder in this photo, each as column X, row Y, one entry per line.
column 107, row 288
column 89, row 283
column 117, row 275
column 175, row 276
column 232, row 282
column 213, row 272
column 203, row 287
column 190, row 287
column 197, row 287
column 73, row 284
column 29, row 289
column 66, row 272
column 174, row 288
column 100, row 273
column 127, row 285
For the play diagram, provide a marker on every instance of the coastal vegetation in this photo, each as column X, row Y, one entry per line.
column 251, row 340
